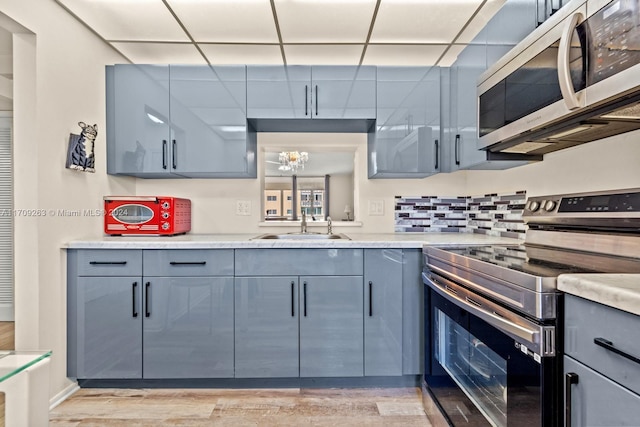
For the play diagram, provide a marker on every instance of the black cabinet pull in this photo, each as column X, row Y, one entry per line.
column 370, row 299
column 306, row 100
column 437, row 146
column 569, row 379
column 316, row 100
column 609, row 346
column 457, row 150
column 293, row 302
column 147, row 312
column 188, row 262
column 174, row 157
column 134, row 285
column 304, row 297
column 164, row 154
column 108, row 262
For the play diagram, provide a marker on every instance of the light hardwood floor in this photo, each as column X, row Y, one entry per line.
column 388, row 407
column 7, row 336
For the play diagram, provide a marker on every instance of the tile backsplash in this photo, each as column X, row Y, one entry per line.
column 492, row 214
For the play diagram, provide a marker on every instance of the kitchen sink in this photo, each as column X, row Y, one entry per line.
column 302, row 236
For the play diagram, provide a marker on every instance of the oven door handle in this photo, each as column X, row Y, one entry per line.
column 476, row 309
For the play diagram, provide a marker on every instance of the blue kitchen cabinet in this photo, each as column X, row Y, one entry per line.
column 331, row 326
column 188, row 329
column 383, row 312
column 104, row 314
column 406, row 141
column 168, row 121
column 106, row 327
column 310, row 92
column 266, row 325
column 413, row 314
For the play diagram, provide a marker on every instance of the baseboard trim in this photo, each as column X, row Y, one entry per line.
column 63, row 395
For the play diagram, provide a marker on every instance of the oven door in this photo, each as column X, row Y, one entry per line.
column 480, row 374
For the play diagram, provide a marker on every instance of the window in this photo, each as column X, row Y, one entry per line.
column 288, row 198
column 272, row 198
column 272, row 212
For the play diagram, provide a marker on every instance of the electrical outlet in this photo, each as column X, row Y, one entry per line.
column 376, row 207
column 243, row 207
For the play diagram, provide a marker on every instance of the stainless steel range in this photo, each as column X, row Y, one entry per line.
column 494, row 328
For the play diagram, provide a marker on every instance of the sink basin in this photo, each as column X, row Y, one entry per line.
column 302, row 236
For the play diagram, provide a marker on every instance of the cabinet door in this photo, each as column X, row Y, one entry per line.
column 406, row 141
column 344, row 92
column 188, row 327
column 266, row 327
column 209, row 121
column 383, row 312
column 278, row 92
column 331, row 326
column 598, row 401
column 138, row 130
column 109, row 327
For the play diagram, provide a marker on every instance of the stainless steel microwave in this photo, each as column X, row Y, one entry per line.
column 575, row 79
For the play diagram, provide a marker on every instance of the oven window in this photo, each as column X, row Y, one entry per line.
column 479, row 371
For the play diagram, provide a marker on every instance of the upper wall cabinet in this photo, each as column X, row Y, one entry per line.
column 406, row 140
column 178, row 121
column 311, row 92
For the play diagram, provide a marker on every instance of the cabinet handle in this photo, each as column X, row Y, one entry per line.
column 370, row 299
column 147, row 312
column 457, row 150
column 609, row 346
column 108, row 262
column 293, row 302
column 188, row 263
column 174, row 157
column 316, row 100
column 570, row 378
column 134, row 285
column 306, row 100
column 437, row 146
column 164, row 154
column 304, row 297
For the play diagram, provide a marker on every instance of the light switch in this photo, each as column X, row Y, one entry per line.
column 376, row 207
column 243, row 207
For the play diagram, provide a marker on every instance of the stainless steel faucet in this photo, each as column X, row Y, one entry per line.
column 329, row 229
column 303, row 224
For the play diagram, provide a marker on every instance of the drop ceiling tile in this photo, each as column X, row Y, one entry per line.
column 242, row 54
column 324, row 21
column 323, row 54
column 421, row 21
column 160, row 53
column 217, row 21
column 476, row 25
column 137, row 20
column 403, row 54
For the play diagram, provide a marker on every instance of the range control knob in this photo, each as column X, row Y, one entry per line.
column 165, row 215
column 165, row 205
column 165, row 225
column 533, row 205
column 549, row 205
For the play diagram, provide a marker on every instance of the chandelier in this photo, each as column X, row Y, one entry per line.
column 292, row 160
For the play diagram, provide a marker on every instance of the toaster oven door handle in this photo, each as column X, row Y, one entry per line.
column 491, row 317
column 131, row 199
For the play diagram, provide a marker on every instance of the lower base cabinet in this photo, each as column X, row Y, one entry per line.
column 331, row 326
column 108, row 327
column 266, row 327
column 188, row 327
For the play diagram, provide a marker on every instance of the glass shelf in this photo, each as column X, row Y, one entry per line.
column 13, row 362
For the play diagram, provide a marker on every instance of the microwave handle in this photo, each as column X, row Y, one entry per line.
column 571, row 99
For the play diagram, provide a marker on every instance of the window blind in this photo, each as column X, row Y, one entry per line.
column 6, row 220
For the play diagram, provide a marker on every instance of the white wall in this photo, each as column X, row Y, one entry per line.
column 58, row 81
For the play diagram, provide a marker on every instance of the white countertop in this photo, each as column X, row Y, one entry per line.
column 621, row 291
column 226, row 241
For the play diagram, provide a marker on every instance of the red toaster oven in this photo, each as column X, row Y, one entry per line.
column 159, row 215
